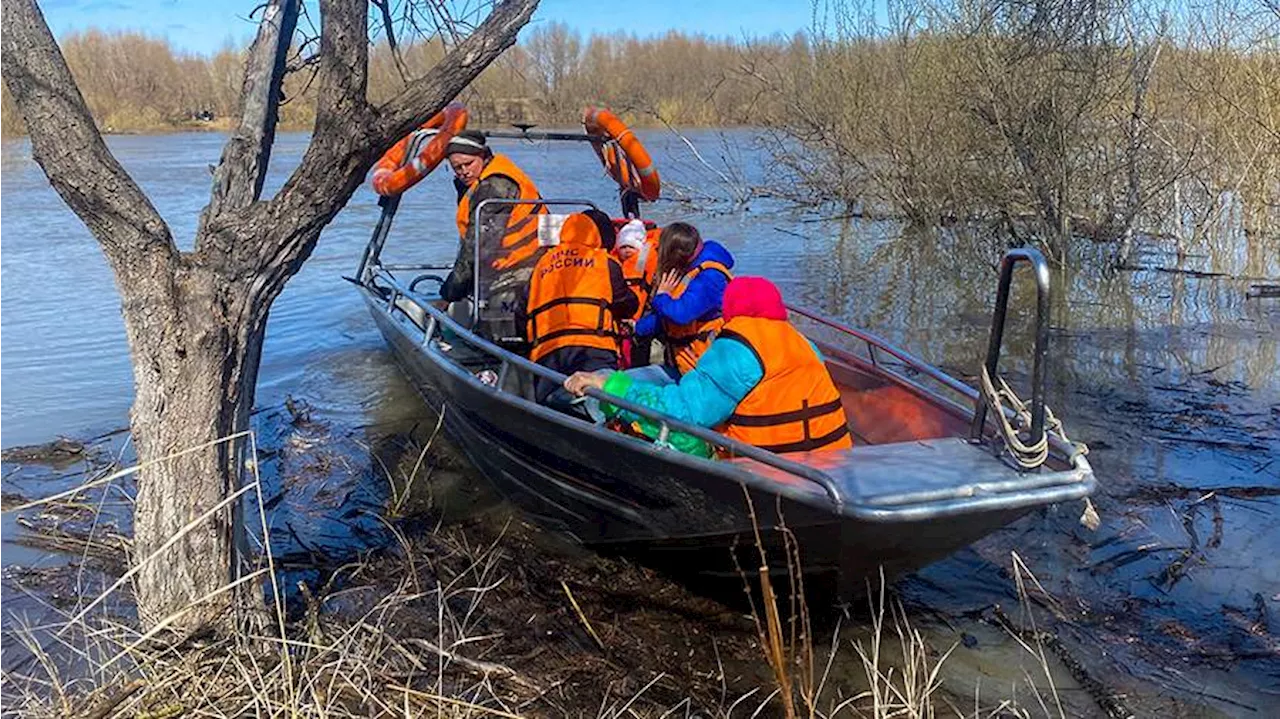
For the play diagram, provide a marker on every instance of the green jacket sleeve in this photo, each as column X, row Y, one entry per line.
column 618, row 384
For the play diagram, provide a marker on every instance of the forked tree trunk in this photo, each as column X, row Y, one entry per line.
column 196, row 320
column 195, row 344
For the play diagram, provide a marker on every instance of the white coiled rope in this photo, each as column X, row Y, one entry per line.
column 1027, row 456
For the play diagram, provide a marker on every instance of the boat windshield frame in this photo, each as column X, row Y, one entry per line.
column 475, row 229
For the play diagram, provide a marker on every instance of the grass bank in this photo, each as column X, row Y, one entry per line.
column 474, row 615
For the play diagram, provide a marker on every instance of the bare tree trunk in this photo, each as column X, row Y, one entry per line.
column 195, row 344
column 196, row 321
column 1136, row 133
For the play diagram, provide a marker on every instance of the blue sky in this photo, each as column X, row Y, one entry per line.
column 205, row 25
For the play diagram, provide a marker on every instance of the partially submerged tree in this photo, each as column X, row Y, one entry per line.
column 195, row 320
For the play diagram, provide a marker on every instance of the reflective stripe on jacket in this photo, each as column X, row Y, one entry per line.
column 686, row 343
column 520, row 240
column 795, row 407
column 569, row 298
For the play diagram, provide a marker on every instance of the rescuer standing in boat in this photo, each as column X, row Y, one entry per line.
column 576, row 295
column 760, row 382
column 509, row 245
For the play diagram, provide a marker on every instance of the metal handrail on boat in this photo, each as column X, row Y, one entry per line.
column 373, row 250
column 875, row 342
column 414, row 266
column 1010, row 260
column 438, row 318
column 531, row 134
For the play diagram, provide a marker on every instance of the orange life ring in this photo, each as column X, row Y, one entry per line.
column 396, row 171
column 622, row 155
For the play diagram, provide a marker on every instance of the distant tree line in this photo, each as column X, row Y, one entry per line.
column 137, row 83
column 1052, row 118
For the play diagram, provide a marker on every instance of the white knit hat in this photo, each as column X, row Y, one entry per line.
column 631, row 235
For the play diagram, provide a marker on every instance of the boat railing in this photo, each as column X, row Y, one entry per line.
column 967, row 400
column 877, row 346
column 1040, row 269
column 436, row 319
column 413, row 266
column 527, row 133
column 476, row 228
column 370, row 258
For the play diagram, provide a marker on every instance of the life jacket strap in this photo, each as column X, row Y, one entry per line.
column 805, row 414
column 575, row 332
column 810, row 443
column 561, row 301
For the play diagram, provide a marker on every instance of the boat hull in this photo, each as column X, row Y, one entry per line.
column 678, row 513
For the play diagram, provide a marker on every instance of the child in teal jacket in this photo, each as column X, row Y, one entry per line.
column 708, row 394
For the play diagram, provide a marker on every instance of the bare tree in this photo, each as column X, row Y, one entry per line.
column 195, row 320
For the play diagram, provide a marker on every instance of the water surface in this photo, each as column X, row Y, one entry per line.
column 1172, row 378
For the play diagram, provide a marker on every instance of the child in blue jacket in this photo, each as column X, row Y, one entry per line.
column 686, row 306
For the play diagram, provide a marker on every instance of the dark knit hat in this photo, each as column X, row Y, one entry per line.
column 468, row 142
column 608, row 234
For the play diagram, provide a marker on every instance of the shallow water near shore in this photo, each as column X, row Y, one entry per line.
column 1173, row 379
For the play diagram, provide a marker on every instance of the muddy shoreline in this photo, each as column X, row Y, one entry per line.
column 550, row 628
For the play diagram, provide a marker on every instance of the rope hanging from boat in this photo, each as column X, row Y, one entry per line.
column 1027, row 456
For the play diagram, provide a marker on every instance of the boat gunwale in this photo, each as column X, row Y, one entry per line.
column 1074, row 483
column 1064, row 449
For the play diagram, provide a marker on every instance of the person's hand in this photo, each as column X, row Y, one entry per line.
column 578, row 382
column 669, row 282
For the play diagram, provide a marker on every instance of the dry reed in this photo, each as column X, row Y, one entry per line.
column 373, row 658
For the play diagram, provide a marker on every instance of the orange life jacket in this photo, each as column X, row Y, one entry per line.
column 520, row 241
column 685, row 343
column 640, row 279
column 569, row 296
column 795, row 407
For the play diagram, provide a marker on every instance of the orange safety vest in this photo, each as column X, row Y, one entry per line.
column 640, row 279
column 569, row 297
column 795, row 407
column 685, row 343
column 520, row 241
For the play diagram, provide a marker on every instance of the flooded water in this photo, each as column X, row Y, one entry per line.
column 1172, row 378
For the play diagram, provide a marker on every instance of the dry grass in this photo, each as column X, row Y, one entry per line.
column 440, row 630
column 359, row 670
column 902, row 669
column 359, row 665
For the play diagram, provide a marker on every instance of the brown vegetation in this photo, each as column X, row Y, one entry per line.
column 1051, row 119
column 136, row 83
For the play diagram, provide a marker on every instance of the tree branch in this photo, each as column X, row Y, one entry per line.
column 344, row 68
column 430, row 93
column 384, row 9
column 70, row 150
column 238, row 179
column 350, row 135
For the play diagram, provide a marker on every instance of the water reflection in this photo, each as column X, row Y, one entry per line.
column 1172, row 377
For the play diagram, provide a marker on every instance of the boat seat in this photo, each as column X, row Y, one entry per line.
column 412, row 311
column 911, row 473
